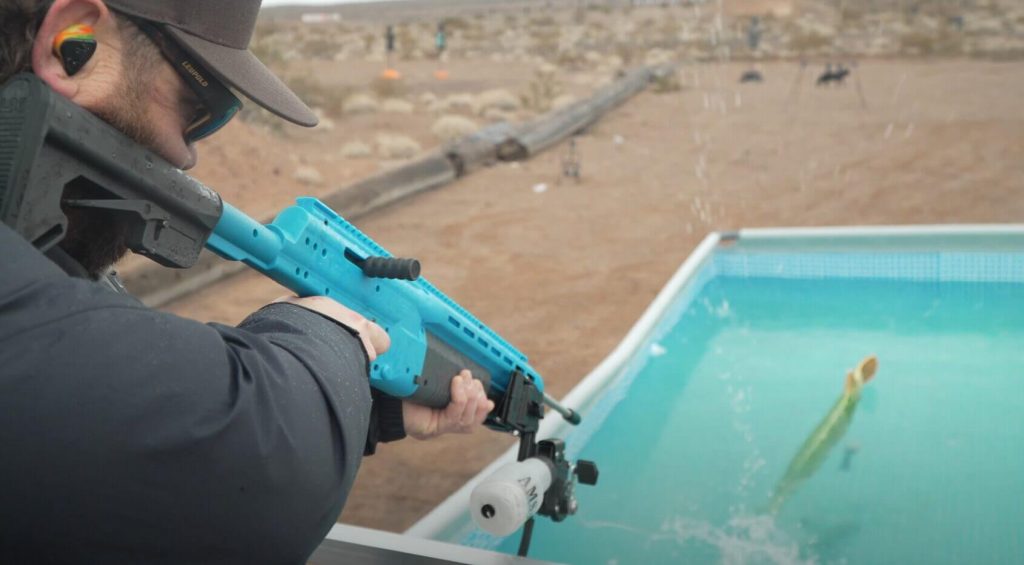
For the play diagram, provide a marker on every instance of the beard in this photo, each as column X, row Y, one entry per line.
column 95, row 237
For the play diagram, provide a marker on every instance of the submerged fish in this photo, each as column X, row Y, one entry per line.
column 815, row 449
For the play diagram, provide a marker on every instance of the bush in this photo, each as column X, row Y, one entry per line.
column 462, row 102
column 542, row 90
column 360, row 104
column 397, row 146
column 497, row 98
column 452, row 127
column 563, row 101
column 356, row 150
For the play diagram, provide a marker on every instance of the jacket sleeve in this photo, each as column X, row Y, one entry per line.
column 141, row 436
column 387, row 423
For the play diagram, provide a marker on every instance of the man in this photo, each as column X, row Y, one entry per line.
column 134, row 436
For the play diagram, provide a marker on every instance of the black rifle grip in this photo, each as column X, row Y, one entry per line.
column 442, row 364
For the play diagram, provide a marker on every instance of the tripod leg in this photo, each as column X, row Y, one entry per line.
column 524, row 542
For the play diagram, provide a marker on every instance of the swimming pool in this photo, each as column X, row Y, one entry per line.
column 696, row 417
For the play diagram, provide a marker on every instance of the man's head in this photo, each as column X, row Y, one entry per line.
column 162, row 69
column 161, row 74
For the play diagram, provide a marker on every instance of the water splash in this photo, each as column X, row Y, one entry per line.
column 481, row 539
column 743, row 539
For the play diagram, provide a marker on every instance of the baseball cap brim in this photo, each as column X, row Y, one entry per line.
column 242, row 71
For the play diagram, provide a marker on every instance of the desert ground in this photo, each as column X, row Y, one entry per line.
column 562, row 268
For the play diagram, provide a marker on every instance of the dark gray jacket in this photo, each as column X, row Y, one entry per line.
column 129, row 435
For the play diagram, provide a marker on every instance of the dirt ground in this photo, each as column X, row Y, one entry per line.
column 564, row 272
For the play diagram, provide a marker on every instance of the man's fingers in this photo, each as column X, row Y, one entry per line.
column 378, row 338
column 458, row 404
column 477, row 407
column 371, row 351
column 482, row 410
column 474, row 390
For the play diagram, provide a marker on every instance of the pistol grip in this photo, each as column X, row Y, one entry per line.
column 441, row 365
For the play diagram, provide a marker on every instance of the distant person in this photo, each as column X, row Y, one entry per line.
column 389, row 39
column 131, row 435
column 441, row 39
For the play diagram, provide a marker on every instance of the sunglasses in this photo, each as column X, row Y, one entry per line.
column 217, row 104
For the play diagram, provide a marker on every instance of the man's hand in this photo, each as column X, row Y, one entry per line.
column 468, row 408
column 469, row 405
column 374, row 338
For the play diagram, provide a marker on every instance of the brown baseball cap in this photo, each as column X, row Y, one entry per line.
column 218, row 33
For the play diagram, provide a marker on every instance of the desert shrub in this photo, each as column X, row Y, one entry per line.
column 308, row 175
column 663, row 83
column 542, row 90
column 356, row 150
column 452, row 127
column 497, row 98
column 493, row 115
column 626, row 52
column 544, row 41
column 462, row 102
column 562, row 101
column 571, row 59
column 391, row 146
column 360, row 103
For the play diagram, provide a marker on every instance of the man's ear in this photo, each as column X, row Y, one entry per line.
column 46, row 64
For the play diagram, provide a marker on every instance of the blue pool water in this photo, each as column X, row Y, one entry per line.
column 693, row 436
